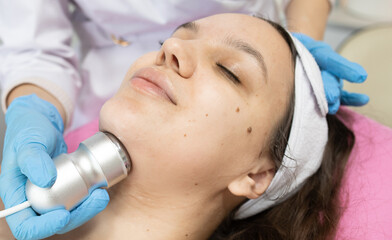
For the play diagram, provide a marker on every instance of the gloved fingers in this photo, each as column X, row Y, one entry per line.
column 94, row 204
column 26, row 225
column 339, row 66
column 333, row 107
column 38, row 105
column 42, row 132
column 8, row 161
column 332, row 87
column 307, row 41
column 354, row 99
column 61, row 146
column 36, row 164
column 329, row 60
column 12, row 187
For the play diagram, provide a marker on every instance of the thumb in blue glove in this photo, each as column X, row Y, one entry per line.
column 334, row 68
column 33, row 136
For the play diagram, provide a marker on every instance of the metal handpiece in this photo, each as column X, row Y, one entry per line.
column 100, row 161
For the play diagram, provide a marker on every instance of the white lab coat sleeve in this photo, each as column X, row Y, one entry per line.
column 36, row 49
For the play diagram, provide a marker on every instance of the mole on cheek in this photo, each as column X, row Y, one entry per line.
column 206, row 114
column 249, row 130
column 238, row 109
column 185, row 135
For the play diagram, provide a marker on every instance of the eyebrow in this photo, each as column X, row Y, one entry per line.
column 234, row 43
column 247, row 48
column 190, row 26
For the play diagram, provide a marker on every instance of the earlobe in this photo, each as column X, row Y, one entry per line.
column 252, row 185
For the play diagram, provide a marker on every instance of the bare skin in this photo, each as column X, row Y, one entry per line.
column 5, row 232
column 308, row 17
column 27, row 89
column 304, row 16
column 220, row 129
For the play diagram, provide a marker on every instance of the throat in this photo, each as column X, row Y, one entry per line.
column 130, row 218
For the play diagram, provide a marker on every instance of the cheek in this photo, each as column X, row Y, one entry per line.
column 136, row 121
column 212, row 139
column 205, row 142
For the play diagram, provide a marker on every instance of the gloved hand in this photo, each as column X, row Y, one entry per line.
column 33, row 136
column 334, row 68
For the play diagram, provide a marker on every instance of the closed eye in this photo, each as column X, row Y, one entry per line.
column 229, row 74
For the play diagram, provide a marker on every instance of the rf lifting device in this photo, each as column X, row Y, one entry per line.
column 100, row 162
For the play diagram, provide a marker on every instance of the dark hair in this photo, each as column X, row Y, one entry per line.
column 313, row 212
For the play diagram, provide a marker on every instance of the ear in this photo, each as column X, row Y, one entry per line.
column 253, row 184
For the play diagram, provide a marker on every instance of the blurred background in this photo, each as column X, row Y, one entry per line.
column 360, row 30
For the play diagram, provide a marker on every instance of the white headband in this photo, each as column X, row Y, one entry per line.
column 308, row 137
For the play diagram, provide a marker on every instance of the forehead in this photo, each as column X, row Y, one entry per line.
column 251, row 29
column 235, row 21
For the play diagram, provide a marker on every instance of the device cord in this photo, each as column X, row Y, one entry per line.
column 14, row 209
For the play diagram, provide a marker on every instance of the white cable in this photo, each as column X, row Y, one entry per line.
column 14, row 209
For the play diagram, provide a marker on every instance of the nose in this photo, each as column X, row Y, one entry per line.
column 177, row 54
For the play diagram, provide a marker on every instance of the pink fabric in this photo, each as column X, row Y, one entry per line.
column 75, row 137
column 367, row 189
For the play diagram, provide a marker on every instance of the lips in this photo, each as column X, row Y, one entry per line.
column 155, row 82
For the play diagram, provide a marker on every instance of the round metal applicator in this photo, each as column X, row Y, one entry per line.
column 100, row 162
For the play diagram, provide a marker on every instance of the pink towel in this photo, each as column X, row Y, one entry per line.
column 75, row 137
column 367, row 190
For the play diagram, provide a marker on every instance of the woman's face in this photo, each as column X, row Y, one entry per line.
column 199, row 112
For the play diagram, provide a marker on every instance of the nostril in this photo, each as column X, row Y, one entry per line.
column 175, row 63
column 160, row 58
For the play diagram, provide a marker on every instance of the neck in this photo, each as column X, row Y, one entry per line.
column 143, row 217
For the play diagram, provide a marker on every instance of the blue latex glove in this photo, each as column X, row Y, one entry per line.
column 33, row 136
column 334, row 68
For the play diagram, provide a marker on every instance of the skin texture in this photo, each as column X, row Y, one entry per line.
column 27, row 89
column 197, row 159
column 300, row 13
column 204, row 123
column 5, row 232
column 304, row 16
column 308, row 17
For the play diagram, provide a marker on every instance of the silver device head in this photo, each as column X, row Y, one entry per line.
column 100, row 161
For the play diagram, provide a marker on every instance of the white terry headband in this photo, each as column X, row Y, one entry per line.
column 308, row 137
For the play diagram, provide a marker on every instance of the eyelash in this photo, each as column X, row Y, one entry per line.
column 225, row 70
column 229, row 73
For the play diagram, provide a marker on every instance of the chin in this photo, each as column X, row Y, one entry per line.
column 107, row 123
column 112, row 119
column 130, row 128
